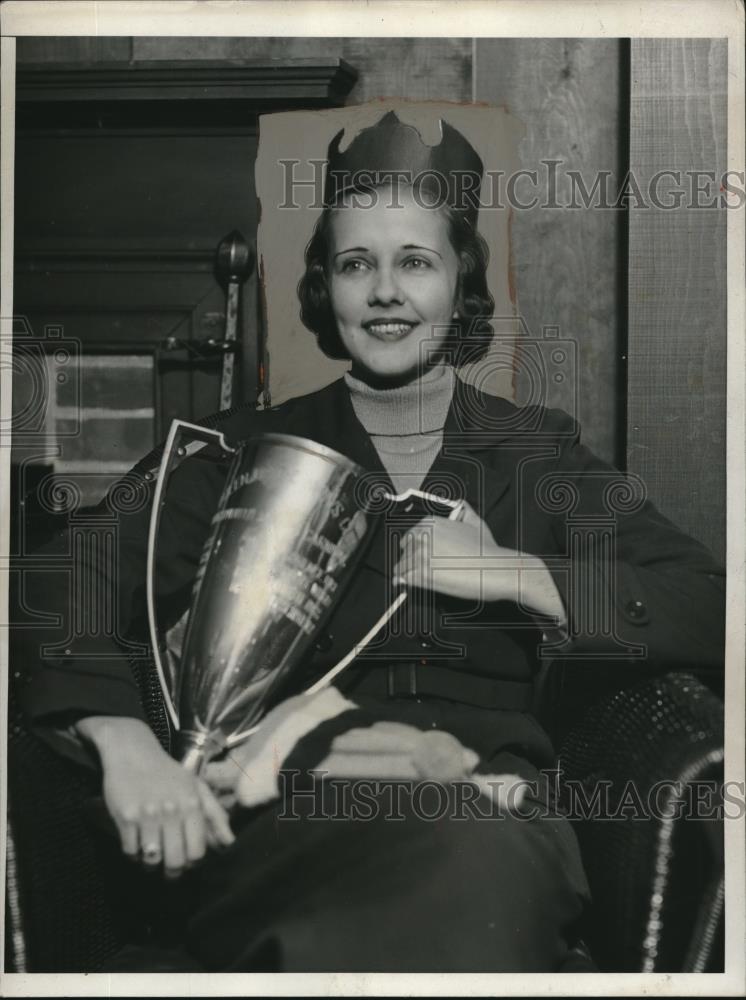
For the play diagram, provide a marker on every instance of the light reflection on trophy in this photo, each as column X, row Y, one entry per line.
column 282, row 545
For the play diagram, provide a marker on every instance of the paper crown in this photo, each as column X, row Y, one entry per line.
column 391, row 151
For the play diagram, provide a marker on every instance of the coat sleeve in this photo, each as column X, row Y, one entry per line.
column 82, row 600
column 631, row 581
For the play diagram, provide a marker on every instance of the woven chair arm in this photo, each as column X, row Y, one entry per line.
column 642, row 779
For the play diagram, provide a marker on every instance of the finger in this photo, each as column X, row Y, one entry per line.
column 411, row 564
column 406, row 542
column 174, row 853
column 151, row 842
column 216, row 816
column 399, row 574
column 129, row 833
column 195, row 835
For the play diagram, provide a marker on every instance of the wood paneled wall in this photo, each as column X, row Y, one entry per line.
column 566, row 261
column 415, row 68
column 677, row 304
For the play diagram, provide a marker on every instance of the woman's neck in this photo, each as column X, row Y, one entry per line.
column 415, row 407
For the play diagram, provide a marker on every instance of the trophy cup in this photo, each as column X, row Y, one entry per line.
column 282, row 545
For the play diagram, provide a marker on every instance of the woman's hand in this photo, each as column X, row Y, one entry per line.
column 462, row 559
column 163, row 813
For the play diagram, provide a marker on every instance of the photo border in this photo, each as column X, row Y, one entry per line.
column 467, row 18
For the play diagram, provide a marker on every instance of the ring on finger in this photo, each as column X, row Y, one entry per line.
column 151, row 854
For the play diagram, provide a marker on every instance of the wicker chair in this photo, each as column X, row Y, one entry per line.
column 657, row 882
column 75, row 904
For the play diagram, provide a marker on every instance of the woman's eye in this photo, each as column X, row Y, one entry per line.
column 353, row 265
column 417, row 263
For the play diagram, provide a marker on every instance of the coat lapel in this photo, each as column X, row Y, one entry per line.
column 328, row 417
column 471, row 464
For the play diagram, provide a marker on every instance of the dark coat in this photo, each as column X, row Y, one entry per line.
column 634, row 586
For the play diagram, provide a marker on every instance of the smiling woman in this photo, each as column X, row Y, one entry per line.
column 405, row 247
column 393, row 279
column 395, row 282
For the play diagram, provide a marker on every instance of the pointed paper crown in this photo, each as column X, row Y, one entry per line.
column 392, row 152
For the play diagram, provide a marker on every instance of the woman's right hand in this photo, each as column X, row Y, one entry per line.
column 163, row 813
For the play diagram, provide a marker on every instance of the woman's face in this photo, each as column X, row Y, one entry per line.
column 392, row 277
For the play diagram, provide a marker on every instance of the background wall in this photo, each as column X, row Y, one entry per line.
column 415, row 68
column 570, row 96
column 676, row 398
column 638, row 296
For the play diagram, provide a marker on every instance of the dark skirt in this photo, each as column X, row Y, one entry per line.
column 398, row 877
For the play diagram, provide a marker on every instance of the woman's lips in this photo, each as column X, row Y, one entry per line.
column 389, row 329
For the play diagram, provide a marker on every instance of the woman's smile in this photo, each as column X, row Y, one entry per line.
column 393, row 281
column 389, row 329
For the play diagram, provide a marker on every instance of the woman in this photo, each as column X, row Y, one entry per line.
column 395, row 281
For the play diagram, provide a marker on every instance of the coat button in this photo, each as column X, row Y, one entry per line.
column 636, row 609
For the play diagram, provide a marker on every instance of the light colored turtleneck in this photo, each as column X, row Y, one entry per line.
column 406, row 423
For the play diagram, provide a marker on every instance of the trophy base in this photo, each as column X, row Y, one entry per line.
column 196, row 749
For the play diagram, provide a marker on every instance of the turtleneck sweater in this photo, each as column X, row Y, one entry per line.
column 405, row 423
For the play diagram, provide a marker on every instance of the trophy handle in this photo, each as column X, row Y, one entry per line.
column 457, row 510
column 172, row 457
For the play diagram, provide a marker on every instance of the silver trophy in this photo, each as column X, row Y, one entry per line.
column 282, row 545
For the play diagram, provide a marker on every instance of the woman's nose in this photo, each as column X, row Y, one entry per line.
column 385, row 288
